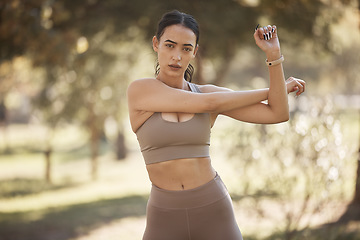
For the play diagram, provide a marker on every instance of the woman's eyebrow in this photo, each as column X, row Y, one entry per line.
column 170, row 41
column 187, row 44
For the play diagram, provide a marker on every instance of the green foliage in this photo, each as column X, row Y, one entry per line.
column 304, row 160
column 50, row 32
column 88, row 49
column 76, row 208
column 306, row 20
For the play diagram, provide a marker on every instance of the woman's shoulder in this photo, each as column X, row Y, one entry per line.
column 142, row 81
column 141, row 84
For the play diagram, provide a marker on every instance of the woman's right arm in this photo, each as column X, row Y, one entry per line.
column 152, row 95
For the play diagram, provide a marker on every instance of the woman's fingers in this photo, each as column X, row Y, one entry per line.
column 301, row 86
column 296, row 85
column 267, row 32
column 302, row 83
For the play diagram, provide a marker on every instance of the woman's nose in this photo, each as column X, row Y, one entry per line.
column 177, row 57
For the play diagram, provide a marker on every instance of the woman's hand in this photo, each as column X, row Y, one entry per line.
column 267, row 39
column 295, row 85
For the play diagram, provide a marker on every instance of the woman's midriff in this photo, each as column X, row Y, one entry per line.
column 181, row 174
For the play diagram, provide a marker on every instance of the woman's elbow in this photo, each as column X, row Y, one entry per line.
column 284, row 117
column 284, row 114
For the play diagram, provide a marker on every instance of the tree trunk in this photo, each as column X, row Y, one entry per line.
column 94, row 158
column 48, row 165
column 4, row 130
column 94, row 144
column 224, row 67
column 356, row 200
column 3, row 124
column 199, row 77
column 120, row 146
column 48, row 153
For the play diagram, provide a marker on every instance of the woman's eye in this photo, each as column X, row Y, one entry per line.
column 169, row 45
column 187, row 49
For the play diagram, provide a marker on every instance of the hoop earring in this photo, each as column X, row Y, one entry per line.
column 157, row 68
column 189, row 73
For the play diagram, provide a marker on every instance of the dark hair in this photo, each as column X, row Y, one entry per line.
column 172, row 18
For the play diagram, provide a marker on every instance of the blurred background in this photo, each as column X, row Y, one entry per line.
column 70, row 167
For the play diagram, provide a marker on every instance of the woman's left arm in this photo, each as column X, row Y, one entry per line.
column 267, row 40
column 276, row 109
column 260, row 112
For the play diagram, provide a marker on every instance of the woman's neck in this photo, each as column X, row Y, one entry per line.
column 173, row 82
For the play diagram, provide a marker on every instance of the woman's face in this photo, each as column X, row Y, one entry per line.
column 175, row 49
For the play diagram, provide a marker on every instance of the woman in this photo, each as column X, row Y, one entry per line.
column 172, row 119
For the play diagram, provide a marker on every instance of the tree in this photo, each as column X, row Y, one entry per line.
column 74, row 38
column 54, row 35
column 301, row 163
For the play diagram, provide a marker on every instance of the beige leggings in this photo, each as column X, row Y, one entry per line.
column 202, row 213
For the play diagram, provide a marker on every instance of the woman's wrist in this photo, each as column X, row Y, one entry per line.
column 273, row 55
column 275, row 62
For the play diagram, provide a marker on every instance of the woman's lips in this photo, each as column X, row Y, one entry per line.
column 175, row 67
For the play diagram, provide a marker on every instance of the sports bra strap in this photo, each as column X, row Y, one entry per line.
column 194, row 87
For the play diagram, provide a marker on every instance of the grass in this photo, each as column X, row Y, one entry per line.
column 20, row 187
column 65, row 222
column 74, row 207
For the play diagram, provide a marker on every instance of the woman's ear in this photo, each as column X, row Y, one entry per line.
column 155, row 43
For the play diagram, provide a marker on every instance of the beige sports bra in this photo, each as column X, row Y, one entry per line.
column 162, row 140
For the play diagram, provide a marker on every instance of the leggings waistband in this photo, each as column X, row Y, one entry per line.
column 200, row 196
